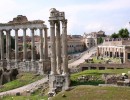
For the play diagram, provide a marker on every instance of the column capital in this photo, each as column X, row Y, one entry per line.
column 24, row 29
column 57, row 23
column 52, row 23
column 16, row 29
column 46, row 28
column 64, row 23
column 32, row 29
column 8, row 30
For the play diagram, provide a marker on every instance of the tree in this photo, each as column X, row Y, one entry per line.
column 114, row 35
column 100, row 40
column 123, row 33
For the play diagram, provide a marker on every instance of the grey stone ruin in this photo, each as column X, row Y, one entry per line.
column 28, row 60
column 59, row 78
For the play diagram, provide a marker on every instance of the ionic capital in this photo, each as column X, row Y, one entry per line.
column 52, row 23
column 8, row 30
column 24, row 29
column 57, row 23
column 64, row 23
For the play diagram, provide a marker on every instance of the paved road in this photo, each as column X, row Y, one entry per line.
column 28, row 87
column 86, row 55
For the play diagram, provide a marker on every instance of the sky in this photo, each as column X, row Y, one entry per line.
column 83, row 15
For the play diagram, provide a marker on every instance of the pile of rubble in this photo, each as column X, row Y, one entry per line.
column 120, row 80
column 85, row 78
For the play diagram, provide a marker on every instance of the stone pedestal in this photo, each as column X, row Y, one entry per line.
column 58, row 83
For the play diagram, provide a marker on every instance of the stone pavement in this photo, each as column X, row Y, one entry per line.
column 25, row 88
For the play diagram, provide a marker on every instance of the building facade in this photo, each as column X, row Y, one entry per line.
column 117, row 48
column 91, row 39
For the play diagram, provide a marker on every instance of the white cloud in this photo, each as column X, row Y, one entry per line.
column 10, row 7
column 101, row 8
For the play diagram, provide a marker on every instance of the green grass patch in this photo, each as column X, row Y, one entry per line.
column 23, row 79
column 37, row 95
column 95, row 93
column 95, row 73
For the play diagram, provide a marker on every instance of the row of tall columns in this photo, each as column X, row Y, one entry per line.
column 8, row 46
column 56, row 47
column 112, row 52
column 33, row 45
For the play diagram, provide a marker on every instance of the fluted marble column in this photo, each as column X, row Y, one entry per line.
column 24, row 45
column 33, row 46
column 45, row 44
column 53, row 50
column 64, row 47
column 41, row 44
column 58, row 47
column 16, row 48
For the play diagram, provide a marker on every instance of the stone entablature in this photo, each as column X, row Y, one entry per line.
column 24, row 25
column 56, row 15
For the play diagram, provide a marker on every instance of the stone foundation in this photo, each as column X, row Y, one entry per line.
column 28, row 66
column 58, row 83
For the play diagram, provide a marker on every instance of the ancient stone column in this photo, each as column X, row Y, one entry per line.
column 24, row 45
column 8, row 45
column 41, row 44
column 124, row 55
column 32, row 46
column 8, row 48
column 2, row 47
column 2, row 44
column 16, row 48
column 64, row 47
column 58, row 47
column 53, row 49
column 45, row 44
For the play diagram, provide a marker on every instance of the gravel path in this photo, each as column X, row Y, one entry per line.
column 82, row 59
column 28, row 87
